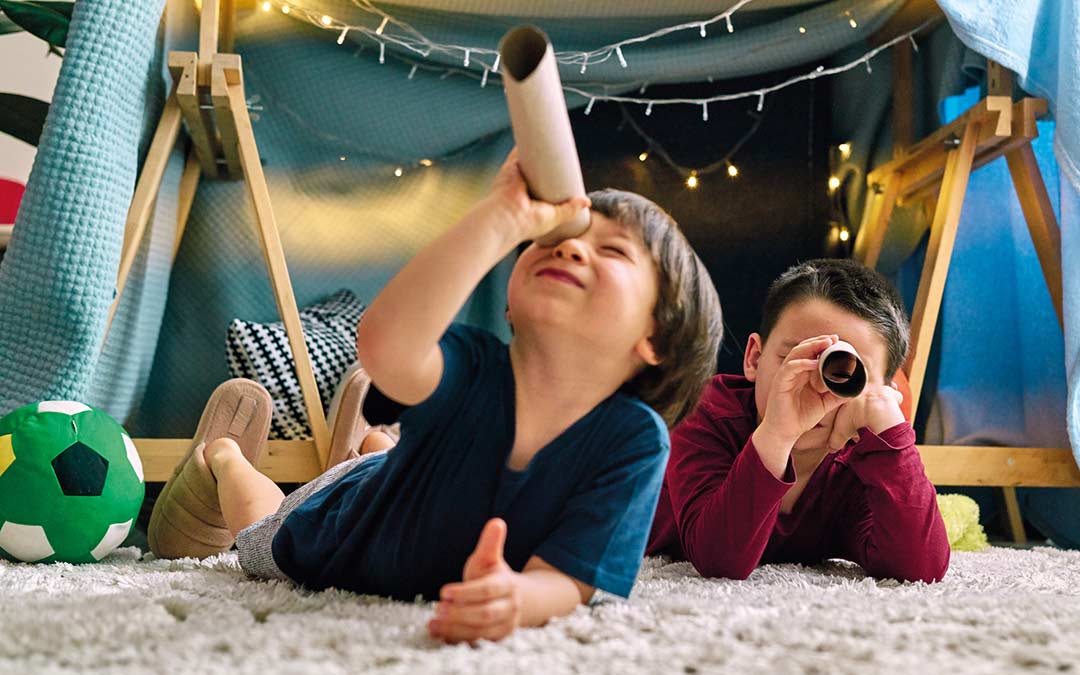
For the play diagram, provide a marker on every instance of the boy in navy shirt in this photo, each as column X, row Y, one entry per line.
column 526, row 475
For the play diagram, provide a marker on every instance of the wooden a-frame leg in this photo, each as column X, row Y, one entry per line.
column 938, row 254
column 1046, row 236
column 1041, row 221
column 274, row 253
column 189, row 185
column 879, row 221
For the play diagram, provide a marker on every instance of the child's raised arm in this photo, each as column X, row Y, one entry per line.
column 398, row 338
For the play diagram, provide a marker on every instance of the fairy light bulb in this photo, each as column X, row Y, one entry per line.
column 845, row 150
column 326, row 21
column 398, row 171
column 732, row 170
column 426, row 162
column 266, row 7
column 845, row 234
column 834, row 183
column 692, row 180
column 285, row 9
column 643, row 156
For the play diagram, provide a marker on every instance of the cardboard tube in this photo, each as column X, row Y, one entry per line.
column 842, row 370
column 546, row 150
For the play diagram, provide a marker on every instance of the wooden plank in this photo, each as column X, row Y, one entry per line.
column 1012, row 509
column 219, row 92
column 209, row 29
column 999, row 79
column 283, row 461
column 1041, row 221
column 198, row 124
column 994, row 116
column 145, row 196
column 1024, row 116
column 938, row 254
column 875, row 237
column 189, row 185
column 275, row 263
column 1000, row 466
column 227, row 41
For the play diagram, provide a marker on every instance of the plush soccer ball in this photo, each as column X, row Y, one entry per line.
column 71, row 483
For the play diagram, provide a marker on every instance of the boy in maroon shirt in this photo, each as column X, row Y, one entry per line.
column 773, row 467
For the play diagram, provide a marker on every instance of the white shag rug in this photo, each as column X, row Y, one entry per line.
column 1001, row 610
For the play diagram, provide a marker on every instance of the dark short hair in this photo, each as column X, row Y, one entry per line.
column 688, row 319
column 852, row 286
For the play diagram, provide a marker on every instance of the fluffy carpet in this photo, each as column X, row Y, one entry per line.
column 998, row 610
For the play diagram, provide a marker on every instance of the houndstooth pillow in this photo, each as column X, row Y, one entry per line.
column 261, row 352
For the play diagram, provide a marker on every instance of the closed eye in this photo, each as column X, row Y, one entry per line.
column 616, row 250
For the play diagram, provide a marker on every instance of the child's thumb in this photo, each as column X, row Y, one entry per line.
column 489, row 549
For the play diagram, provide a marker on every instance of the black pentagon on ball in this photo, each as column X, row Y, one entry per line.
column 80, row 471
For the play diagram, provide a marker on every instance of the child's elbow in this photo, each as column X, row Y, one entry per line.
column 371, row 346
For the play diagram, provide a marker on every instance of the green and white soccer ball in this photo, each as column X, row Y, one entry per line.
column 71, row 483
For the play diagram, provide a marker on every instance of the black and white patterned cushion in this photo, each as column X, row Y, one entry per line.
column 261, row 352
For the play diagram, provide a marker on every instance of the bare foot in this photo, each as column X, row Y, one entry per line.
column 219, row 451
column 376, row 441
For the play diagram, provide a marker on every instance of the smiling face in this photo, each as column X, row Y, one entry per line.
column 806, row 319
column 600, row 287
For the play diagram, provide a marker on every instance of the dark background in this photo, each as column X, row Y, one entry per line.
column 749, row 229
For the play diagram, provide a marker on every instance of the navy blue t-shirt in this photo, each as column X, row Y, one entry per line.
column 403, row 524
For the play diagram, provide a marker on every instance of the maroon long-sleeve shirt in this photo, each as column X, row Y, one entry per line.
column 870, row 503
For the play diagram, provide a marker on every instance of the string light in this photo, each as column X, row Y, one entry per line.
column 426, row 162
column 687, row 172
column 398, row 171
column 342, row 158
column 414, row 40
column 845, row 234
column 845, row 150
column 834, row 183
column 819, row 71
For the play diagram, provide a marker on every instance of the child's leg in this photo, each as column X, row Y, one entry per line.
column 246, row 495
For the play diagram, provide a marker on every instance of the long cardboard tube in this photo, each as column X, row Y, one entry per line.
column 546, row 151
